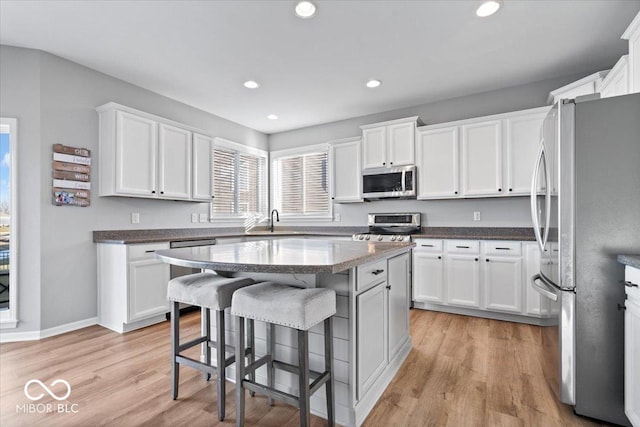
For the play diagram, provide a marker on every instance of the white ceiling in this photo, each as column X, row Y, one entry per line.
column 313, row 71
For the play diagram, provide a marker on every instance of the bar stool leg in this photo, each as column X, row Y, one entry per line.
column 328, row 366
column 207, row 333
column 271, row 351
column 252, row 355
column 303, row 378
column 175, row 343
column 220, row 363
column 239, row 351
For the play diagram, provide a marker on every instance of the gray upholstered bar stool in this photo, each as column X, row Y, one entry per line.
column 209, row 292
column 293, row 307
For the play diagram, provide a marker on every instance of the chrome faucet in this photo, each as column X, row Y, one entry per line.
column 277, row 218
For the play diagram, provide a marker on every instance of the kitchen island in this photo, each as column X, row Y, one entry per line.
column 371, row 326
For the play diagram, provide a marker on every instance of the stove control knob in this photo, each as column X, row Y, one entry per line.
column 361, row 237
column 379, row 238
column 393, row 238
column 367, row 237
column 400, row 238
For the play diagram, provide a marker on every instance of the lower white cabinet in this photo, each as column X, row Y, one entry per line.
column 372, row 335
column 132, row 286
column 475, row 277
column 632, row 347
column 397, row 280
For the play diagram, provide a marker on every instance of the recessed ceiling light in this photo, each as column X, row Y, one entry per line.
column 488, row 8
column 373, row 83
column 305, row 9
column 250, row 84
column 272, row 117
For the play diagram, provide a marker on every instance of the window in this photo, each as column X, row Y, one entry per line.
column 239, row 180
column 301, row 182
column 8, row 223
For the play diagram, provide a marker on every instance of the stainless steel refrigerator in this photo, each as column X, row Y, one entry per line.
column 585, row 205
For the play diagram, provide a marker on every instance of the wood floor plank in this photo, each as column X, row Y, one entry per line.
column 462, row 371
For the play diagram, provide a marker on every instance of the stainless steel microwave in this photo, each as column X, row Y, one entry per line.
column 384, row 183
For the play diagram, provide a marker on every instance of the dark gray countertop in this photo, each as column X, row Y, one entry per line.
column 296, row 256
column 630, row 260
column 182, row 234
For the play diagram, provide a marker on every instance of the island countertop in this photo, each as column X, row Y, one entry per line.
column 287, row 255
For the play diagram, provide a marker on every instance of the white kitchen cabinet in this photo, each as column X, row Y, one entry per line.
column 617, row 81
column 633, row 35
column 371, row 330
column 345, row 160
column 463, row 280
column 142, row 155
column 482, row 159
column 585, row 86
column 202, row 161
column 502, row 276
column 523, row 133
column 428, row 271
column 437, row 160
column 632, row 347
column 398, row 300
column 132, row 286
column 174, row 161
column 389, row 144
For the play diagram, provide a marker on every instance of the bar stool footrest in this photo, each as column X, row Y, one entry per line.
column 196, row 364
column 271, row 392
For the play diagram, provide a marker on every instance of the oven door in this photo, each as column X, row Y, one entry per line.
column 396, row 182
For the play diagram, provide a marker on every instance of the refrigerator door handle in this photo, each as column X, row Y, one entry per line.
column 534, row 197
column 547, row 196
column 543, row 289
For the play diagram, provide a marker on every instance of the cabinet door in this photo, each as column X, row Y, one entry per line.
column 374, row 147
column 437, row 161
column 398, row 285
column 202, row 178
column 371, row 330
column 463, row 280
column 523, row 142
column 482, row 159
column 136, row 148
column 401, row 144
column 347, row 172
column 503, row 283
column 148, row 280
column 632, row 362
column 174, row 174
column 428, row 277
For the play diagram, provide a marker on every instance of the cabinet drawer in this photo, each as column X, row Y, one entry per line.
column 463, row 246
column 371, row 273
column 145, row 251
column 502, row 248
column 428, row 245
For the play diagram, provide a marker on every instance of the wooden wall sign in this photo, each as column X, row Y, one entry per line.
column 71, row 176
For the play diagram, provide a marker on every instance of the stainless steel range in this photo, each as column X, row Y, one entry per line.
column 390, row 227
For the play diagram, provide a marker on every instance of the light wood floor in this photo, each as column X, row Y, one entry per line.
column 463, row 371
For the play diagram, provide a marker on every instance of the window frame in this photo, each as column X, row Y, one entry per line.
column 225, row 144
column 277, row 155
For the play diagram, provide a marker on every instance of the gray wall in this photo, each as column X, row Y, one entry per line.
column 54, row 101
column 513, row 211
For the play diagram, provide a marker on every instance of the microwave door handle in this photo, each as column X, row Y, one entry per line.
column 403, row 181
column 534, row 197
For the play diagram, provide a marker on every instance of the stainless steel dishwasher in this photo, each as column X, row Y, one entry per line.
column 177, row 271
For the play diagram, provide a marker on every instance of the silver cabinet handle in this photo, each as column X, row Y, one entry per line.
column 427, row 246
column 543, row 289
column 503, row 249
column 463, row 247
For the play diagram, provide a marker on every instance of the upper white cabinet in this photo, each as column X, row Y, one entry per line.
column 585, row 86
column 633, row 35
column 345, row 159
column 142, row 155
column 202, row 161
column 389, row 143
column 437, row 153
column 483, row 157
column 617, row 81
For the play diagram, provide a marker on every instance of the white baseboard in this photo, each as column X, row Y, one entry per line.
column 9, row 336
column 518, row 318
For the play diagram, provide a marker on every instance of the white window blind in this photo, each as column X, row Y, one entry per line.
column 239, row 182
column 302, row 185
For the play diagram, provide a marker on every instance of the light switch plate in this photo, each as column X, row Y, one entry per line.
column 337, row 217
column 135, row 218
column 476, row 216
column 194, row 217
column 204, row 217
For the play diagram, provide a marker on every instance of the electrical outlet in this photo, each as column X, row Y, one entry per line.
column 337, row 217
column 194, row 217
column 135, row 218
column 204, row 217
column 476, row 216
